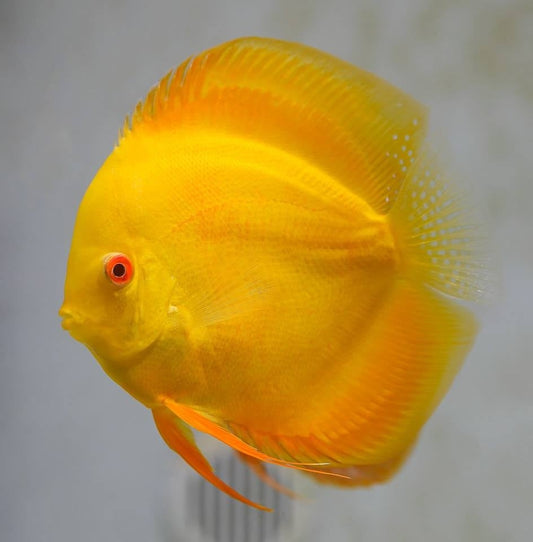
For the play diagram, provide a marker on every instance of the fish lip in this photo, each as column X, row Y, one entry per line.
column 69, row 319
column 68, row 322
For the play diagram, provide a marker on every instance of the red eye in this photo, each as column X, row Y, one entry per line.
column 118, row 268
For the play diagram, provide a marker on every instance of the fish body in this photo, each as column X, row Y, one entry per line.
column 271, row 256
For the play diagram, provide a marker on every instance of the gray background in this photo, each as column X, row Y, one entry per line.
column 80, row 460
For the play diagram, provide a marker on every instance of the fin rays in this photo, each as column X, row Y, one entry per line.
column 345, row 118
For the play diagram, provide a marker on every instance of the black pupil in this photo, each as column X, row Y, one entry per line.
column 119, row 270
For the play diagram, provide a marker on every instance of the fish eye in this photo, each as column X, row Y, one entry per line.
column 118, row 268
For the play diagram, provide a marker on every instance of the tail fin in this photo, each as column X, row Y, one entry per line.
column 438, row 235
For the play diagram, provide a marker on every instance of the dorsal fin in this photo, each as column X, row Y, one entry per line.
column 354, row 125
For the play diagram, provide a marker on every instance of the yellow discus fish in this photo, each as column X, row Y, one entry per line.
column 270, row 256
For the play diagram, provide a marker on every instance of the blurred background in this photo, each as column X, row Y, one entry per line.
column 79, row 459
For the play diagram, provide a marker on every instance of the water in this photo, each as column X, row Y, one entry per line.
column 79, row 459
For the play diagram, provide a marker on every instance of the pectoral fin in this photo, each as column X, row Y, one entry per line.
column 180, row 439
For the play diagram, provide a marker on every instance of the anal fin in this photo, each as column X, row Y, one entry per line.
column 388, row 390
column 202, row 423
column 362, row 475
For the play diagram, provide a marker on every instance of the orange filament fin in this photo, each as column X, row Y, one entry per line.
column 180, row 439
column 260, row 470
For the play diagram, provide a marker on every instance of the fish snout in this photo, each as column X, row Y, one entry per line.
column 68, row 318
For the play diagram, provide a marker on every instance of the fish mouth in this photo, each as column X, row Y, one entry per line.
column 69, row 319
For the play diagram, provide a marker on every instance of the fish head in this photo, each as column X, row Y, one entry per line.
column 118, row 282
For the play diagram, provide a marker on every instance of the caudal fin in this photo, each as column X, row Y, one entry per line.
column 437, row 232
